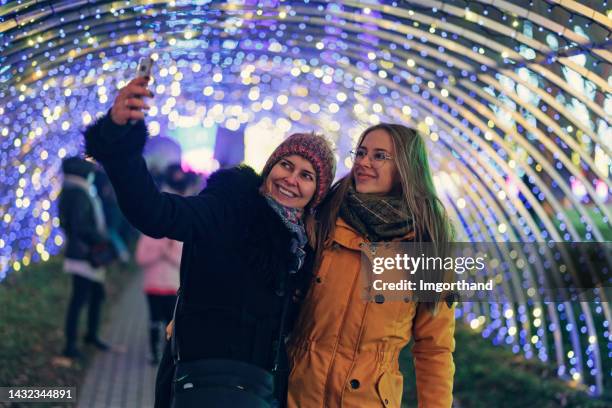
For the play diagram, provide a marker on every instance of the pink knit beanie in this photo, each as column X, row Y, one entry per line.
column 317, row 151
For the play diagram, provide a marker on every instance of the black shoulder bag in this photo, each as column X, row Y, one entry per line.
column 222, row 383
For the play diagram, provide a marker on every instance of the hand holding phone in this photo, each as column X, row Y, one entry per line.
column 145, row 66
column 129, row 104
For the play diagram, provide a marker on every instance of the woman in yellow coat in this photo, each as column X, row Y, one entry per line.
column 344, row 350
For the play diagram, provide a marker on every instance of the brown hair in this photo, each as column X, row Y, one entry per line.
column 417, row 189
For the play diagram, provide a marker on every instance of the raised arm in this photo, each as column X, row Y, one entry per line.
column 118, row 146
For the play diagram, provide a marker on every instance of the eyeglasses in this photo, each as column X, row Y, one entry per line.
column 377, row 158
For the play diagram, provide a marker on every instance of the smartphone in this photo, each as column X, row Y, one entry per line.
column 145, row 66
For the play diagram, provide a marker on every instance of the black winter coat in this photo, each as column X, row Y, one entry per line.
column 78, row 221
column 236, row 253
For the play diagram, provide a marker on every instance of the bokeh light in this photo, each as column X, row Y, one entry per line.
column 514, row 99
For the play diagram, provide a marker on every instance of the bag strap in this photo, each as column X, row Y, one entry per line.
column 174, row 347
column 281, row 331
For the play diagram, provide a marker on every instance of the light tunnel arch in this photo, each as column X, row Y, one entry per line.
column 591, row 192
column 468, row 103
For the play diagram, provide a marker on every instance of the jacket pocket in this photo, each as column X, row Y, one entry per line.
column 389, row 388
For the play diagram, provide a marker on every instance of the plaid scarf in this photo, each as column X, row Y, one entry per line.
column 376, row 217
column 292, row 218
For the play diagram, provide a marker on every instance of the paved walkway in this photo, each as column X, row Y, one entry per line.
column 123, row 377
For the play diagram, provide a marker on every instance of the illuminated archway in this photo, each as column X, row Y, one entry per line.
column 514, row 99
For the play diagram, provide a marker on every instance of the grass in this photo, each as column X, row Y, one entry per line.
column 489, row 376
column 33, row 304
column 574, row 217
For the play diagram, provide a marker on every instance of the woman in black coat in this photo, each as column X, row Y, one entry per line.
column 245, row 248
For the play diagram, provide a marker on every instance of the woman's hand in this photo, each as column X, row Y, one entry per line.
column 169, row 328
column 130, row 103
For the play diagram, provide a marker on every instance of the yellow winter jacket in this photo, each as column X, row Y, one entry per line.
column 344, row 350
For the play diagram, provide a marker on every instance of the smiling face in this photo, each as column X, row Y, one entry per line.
column 292, row 182
column 372, row 177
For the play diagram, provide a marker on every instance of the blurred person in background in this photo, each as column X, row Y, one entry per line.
column 82, row 219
